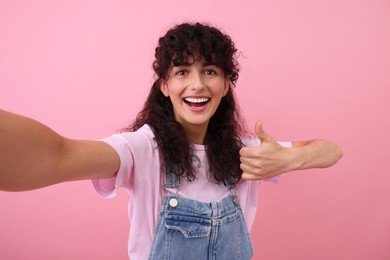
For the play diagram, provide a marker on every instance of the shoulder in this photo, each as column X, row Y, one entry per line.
column 254, row 141
column 250, row 141
column 140, row 139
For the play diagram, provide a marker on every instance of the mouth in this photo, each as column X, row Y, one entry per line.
column 196, row 102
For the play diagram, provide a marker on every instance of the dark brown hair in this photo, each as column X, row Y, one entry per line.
column 226, row 126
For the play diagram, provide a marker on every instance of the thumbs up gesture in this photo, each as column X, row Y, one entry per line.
column 265, row 161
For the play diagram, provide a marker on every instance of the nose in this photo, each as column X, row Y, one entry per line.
column 197, row 82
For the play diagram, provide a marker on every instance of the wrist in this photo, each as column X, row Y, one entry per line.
column 297, row 158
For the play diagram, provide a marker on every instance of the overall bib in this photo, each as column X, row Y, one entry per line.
column 189, row 229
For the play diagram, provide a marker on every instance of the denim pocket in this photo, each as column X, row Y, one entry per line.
column 190, row 226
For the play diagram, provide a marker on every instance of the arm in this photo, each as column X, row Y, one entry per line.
column 33, row 156
column 317, row 153
column 271, row 159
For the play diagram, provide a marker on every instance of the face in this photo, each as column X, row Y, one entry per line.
column 195, row 90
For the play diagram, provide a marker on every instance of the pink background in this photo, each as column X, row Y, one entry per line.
column 309, row 69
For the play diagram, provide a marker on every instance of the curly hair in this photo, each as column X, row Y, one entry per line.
column 222, row 140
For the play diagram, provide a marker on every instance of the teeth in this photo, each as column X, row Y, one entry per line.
column 196, row 100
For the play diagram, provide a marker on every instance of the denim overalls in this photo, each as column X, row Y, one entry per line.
column 189, row 229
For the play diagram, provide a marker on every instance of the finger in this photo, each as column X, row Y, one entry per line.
column 254, row 170
column 261, row 134
column 249, row 177
column 249, row 152
column 250, row 162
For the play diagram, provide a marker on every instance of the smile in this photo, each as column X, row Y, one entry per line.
column 196, row 102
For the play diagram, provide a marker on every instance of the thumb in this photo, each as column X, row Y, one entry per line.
column 261, row 134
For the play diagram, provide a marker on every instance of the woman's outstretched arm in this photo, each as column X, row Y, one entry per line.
column 34, row 156
column 271, row 159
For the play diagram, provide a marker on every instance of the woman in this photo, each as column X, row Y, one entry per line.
column 190, row 167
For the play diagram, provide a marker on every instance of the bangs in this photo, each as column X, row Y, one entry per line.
column 186, row 44
column 185, row 59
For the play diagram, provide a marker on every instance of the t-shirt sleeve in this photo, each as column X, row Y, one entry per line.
column 253, row 142
column 108, row 188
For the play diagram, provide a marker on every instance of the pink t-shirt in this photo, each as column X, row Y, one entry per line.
column 140, row 173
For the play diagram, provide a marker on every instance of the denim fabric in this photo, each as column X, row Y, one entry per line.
column 198, row 230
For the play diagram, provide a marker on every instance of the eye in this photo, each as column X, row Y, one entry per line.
column 210, row 72
column 181, row 72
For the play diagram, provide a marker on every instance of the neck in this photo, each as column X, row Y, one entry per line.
column 195, row 133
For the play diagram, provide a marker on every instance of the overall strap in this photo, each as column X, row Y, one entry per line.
column 228, row 184
column 232, row 189
column 172, row 180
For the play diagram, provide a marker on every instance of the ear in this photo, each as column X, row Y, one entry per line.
column 227, row 86
column 164, row 88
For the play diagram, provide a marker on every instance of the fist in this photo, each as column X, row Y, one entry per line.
column 268, row 160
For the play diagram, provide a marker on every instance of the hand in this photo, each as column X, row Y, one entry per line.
column 265, row 161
